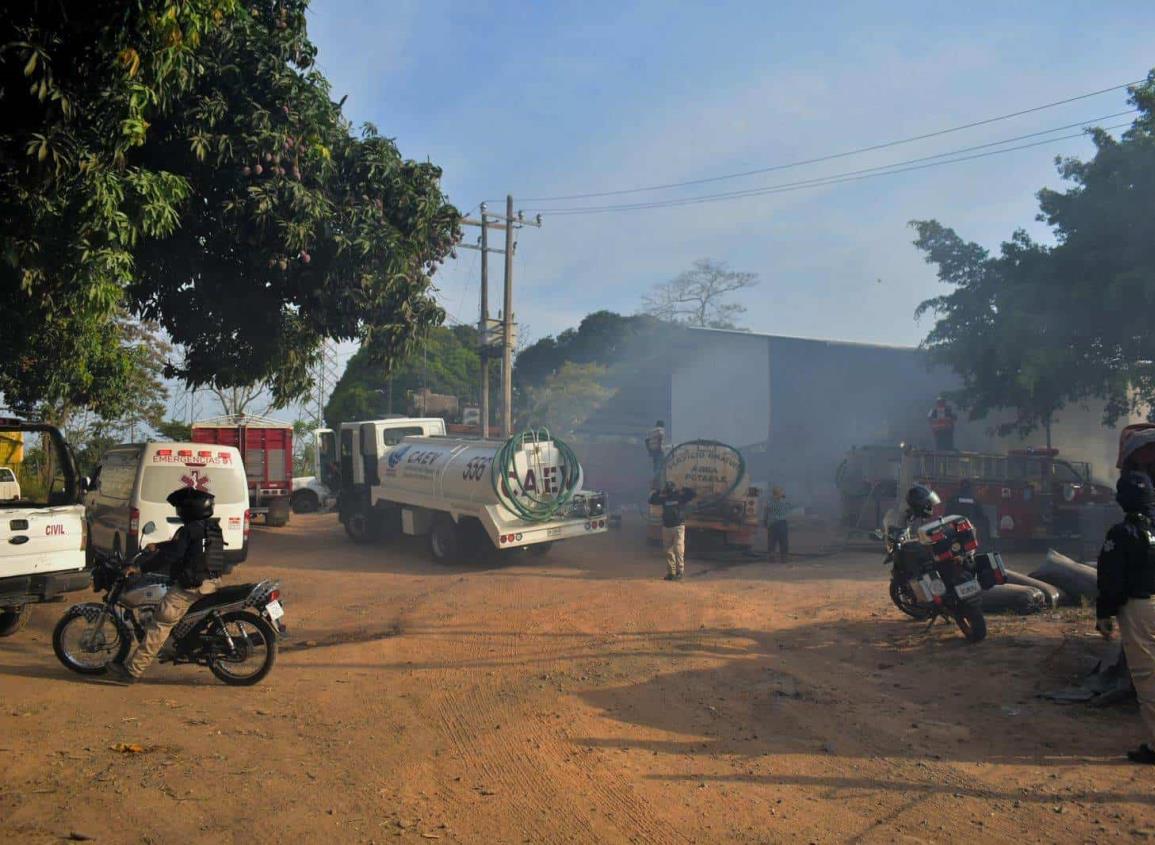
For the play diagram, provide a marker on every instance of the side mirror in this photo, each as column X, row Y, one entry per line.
column 149, row 528
column 90, row 483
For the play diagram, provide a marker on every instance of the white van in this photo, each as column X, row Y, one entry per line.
column 133, row 481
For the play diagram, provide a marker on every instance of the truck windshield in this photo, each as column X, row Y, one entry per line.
column 227, row 485
column 41, row 464
column 1066, row 473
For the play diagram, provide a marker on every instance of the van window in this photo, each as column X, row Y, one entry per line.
column 118, row 474
column 42, row 464
column 227, row 485
column 6, row 475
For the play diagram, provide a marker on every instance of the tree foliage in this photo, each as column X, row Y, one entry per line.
column 1037, row 327
column 601, row 338
column 184, row 161
column 998, row 330
column 567, row 398
column 700, row 297
column 445, row 361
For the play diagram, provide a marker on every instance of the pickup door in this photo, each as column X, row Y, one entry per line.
column 39, row 540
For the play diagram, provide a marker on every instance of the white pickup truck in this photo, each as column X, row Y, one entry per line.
column 404, row 476
column 42, row 530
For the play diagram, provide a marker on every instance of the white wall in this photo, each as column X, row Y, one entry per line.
column 722, row 391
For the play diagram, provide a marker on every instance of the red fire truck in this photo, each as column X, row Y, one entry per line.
column 1025, row 494
column 266, row 448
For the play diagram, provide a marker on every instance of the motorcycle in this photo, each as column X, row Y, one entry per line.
column 233, row 631
column 935, row 573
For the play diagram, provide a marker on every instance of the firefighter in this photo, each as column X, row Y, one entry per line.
column 673, row 503
column 965, row 504
column 1126, row 582
column 941, row 419
column 655, row 446
column 777, row 529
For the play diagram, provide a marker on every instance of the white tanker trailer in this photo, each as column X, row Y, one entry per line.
column 404, row 476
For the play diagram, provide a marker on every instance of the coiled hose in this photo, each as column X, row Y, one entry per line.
column 510, row 486
column 708, row 503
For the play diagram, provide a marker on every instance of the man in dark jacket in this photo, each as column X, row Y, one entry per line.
column 673, row 503
column 1126, row 587
column 194, row 560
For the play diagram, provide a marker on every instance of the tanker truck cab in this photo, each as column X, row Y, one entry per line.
column 404, row 476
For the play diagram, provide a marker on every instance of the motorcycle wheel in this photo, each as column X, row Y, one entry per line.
column 904, row 600
column 256, row 644
column 86, row 649
column 972, row 623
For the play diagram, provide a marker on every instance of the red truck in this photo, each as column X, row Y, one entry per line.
column 266, row 448
column 1024, row 494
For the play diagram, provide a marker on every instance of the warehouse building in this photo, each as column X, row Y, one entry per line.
column 795, row 407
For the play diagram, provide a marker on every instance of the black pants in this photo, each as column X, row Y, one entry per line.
column 778, row 535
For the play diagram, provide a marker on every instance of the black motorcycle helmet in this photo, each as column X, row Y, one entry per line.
column 921, row 500
column 191, row 504
column 1134, row 493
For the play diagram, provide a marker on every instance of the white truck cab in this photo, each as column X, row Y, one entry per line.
column 403, row 475
column 42, row 529
column 318, row 492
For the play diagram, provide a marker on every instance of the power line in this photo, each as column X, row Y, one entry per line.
column 833, row 156
column 835, row 179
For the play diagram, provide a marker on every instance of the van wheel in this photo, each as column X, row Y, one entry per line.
column 540, row 549
column 444, row 539
column 13, row 619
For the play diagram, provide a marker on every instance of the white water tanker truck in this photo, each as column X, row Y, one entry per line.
column 404, row 476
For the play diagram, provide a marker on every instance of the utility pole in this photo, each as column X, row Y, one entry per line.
column 507, row 326
column 509, row 224
column 483, row 326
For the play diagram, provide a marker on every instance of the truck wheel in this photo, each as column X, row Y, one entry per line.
column 444, row 539
column 278, row 513
column 359, row 527
column 305, row 501
column 12, row 619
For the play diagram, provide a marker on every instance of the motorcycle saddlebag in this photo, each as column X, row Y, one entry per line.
column 990, row 570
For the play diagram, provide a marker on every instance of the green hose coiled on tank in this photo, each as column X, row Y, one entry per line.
column 509, row 486
column 706, row 503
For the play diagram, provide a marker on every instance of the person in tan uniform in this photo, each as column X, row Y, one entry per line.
column 673, row 503
column 1126, row 583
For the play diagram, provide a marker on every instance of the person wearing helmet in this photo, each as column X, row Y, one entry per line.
column 920, row 502
column 193, row 560
column 1126, row 582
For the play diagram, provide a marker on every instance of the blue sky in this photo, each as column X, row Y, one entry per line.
column 541, row 99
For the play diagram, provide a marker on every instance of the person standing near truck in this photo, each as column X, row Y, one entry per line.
column 941, row 418
column 777, row 528
column 673, row 503
column 1126, row 582
column 655, row 447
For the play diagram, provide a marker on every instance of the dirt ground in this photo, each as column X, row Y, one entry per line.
column 577, row 698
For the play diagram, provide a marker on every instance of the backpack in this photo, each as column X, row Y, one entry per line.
column 205, row 557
